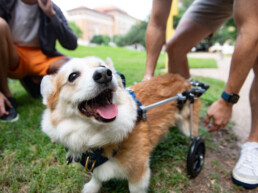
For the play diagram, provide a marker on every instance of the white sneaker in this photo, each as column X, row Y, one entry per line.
column 245, row 172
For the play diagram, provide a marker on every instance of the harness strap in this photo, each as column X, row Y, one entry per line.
column 91, row 160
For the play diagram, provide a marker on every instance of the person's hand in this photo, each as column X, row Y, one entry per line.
column 218, row 115
column 3, row 101
column 47, row 7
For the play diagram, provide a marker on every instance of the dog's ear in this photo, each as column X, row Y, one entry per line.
column 46, row 87
column 110, row 64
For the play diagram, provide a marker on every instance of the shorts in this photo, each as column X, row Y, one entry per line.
column 33, row 62
column 210, row 13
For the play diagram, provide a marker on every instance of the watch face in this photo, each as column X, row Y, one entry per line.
column 234, row 99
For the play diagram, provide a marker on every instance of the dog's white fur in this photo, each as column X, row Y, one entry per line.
column 64, row 124
column 74, row 131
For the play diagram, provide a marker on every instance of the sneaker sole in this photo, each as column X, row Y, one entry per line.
column 245, row 185
column 10, row 121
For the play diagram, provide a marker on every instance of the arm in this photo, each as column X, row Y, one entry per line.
column 155, row 34
column 243, row 60
column 59, row 25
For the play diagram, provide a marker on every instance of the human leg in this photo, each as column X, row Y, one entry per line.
column 202, row 18
column 9, row 56
column 245, row 173
column 32, row 83
column 33, row 65
column 57, row 64
column 253, row 136
column 9, row 60
column 187, row 35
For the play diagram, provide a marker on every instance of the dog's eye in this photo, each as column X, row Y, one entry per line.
column 73, row 76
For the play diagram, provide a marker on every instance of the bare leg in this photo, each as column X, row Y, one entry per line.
column 253, row 137
column 57, row 64
column 51, row 70
column 9, row 60
column 9, row 56
column 187, row 35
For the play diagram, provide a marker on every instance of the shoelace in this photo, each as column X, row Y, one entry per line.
column 250, row 158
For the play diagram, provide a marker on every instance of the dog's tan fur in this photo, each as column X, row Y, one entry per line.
column 135, row 150
column 132, row 158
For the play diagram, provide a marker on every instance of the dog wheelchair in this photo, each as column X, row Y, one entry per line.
column 196, row 152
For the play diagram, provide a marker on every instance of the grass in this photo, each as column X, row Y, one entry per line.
column 132, row 63
column 29, row 162
column 202, row 63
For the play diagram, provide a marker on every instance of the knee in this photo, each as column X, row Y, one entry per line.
column 174, row 48
column 3, row 26
column 171, row 48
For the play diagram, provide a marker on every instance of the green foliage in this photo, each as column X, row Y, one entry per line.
column 228, row 31
column 135, row 35
column 100, row 39
column 215, row 90
column 76, row 29
column 202, row 63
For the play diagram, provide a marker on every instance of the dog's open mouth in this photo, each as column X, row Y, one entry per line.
column 100, row 107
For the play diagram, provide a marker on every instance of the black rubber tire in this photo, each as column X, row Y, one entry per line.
column 195, row 157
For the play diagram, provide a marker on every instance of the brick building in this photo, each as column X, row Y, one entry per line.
column 101, row 21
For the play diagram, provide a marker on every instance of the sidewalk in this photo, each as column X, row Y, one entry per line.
column 241, row 112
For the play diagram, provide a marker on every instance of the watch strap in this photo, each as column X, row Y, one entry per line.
column 231, row 98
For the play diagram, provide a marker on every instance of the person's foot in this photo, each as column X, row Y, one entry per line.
column 245, row 172
column 13, row 115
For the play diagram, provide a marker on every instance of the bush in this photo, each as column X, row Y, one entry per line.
column 135, row 35
column 100, row 39
column 76, row 29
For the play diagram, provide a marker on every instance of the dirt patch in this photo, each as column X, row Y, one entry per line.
column 220, row 160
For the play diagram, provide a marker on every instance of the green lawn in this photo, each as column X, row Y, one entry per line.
column 202, row 63
column 29, row 162
column 132, row 63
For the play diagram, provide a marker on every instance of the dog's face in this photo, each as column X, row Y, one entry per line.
column 86, row 101
column 85, row 87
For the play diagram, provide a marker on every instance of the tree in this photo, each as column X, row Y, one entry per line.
column 100, row 39
column 227, row 31
column 135, row 35
column 76, row 29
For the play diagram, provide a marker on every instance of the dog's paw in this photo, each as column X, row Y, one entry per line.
column 70, row 156
column 93, row 186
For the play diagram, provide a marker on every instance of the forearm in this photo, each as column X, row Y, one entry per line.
column 63, row 31
column 243, row 60
column 246, row 48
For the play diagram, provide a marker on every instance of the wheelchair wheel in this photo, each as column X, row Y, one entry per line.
column 195, row 157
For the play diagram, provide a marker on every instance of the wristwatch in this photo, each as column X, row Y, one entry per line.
column 231, row 98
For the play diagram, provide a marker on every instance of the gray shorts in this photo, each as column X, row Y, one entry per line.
column 210, row 13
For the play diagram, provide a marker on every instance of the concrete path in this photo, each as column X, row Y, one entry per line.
column 241, row 112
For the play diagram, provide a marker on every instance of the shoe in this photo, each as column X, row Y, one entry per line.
column 32, row 88
column 245, row 172
column 13, row 115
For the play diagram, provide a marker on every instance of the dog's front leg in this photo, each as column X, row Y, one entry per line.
column 93, row 186
column 142, row 185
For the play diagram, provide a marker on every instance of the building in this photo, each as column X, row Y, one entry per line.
column 108, row 21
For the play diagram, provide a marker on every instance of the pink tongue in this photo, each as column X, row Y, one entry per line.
column 108, row 112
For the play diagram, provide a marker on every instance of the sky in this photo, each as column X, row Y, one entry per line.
column 139, row 9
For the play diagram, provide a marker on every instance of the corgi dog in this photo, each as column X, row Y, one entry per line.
column 88, row 110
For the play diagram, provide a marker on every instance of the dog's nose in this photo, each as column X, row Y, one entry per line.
column 102, row 75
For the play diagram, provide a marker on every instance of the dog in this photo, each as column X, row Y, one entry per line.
column 88, row 109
